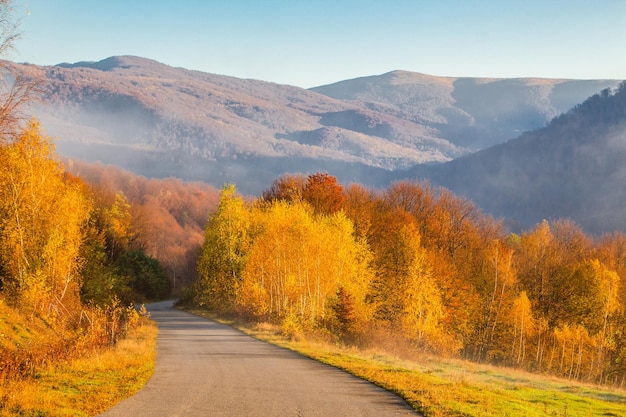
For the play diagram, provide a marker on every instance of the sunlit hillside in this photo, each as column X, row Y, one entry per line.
column 474, row 113
column 160, row 121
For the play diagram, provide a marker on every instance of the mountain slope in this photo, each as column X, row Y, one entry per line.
column 140, row 108
column 473, row 113
column 160, row 121
column 573, row 168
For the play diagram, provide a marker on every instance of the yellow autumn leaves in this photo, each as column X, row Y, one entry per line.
column 41, row 223
column 280, row 261
column 416, row 267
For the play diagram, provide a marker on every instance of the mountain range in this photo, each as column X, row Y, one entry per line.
column 160, row 121
column 573, row 168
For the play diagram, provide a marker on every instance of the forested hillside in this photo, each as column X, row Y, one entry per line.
column 573, row 168
column 415, row 267
column 167, row 216
column 80, row 246
column 160, row 121
column 133, row 112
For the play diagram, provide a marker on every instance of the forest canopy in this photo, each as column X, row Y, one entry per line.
column 416, row 266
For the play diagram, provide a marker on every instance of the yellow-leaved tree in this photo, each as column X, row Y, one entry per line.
column 523, row 327
column 423, row 310
column 224, row 252
column 306, row 268
column 42, row 219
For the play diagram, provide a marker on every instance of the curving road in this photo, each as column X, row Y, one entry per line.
column 207, row 369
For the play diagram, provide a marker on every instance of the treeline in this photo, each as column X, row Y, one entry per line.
column 166, row 216
column 68, row 256
column 414, row 265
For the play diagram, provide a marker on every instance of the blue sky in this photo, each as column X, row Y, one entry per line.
column 316, row 42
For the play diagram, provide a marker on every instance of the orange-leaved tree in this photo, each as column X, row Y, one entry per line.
column 323, row 192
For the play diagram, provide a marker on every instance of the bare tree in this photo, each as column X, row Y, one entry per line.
column 15, row 90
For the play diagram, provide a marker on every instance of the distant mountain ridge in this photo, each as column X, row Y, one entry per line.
column 473, row 113
column 573, row 168
column 138, row 102
column 160, row 121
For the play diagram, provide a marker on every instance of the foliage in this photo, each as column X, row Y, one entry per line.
column 300, row 261
column 166, row 216
column 224, row 252
column 143, row 275
column 42, row 219
column 66, row 262
column 424, row 271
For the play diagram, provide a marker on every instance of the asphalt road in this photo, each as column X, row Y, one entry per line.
column 204, row 368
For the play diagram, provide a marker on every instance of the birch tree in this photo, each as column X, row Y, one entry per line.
column 224, row 251
column 42, row 221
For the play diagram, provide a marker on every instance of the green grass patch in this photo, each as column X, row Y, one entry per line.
column 439, row 387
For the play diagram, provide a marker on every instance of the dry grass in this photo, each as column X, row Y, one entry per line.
column 85, row 386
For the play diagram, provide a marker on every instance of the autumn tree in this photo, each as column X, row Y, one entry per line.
column 42, row 220
column 416, row 198
column 457, row 237
column 299, row 263
column 422, row 306
column 392, row 256
column 535, row 259
column 323, row 192
column 224, row 252
column 611, row 251
column 608, row 306
column 101, row 285
column 359, row 205
column 287, row 188
column 407, row 294
column 496, row 284
column 119, row 231
column 523, row 328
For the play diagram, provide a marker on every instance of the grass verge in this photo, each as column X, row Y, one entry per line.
column 439, row 387
column 85, row 386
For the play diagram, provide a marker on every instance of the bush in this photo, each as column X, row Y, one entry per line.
column 144, row 275
column 291, row 327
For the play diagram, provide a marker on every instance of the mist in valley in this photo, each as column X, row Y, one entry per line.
column 161, row 122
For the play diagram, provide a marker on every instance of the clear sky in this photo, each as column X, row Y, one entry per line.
column 314, row 42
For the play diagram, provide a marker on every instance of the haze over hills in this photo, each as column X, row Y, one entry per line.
column 573, row 168
column 472, row 113
column 161, row 121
